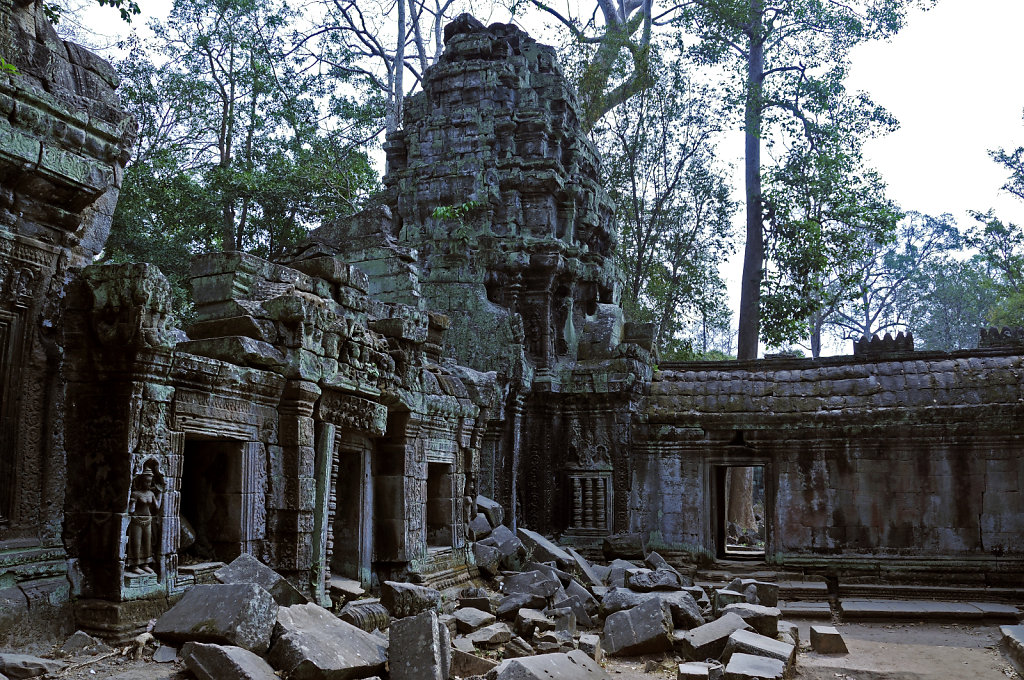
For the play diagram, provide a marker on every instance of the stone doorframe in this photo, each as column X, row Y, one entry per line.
column 734, row 455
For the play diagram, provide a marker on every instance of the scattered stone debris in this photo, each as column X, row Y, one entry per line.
column 17, row 666
column 827, row 640
column 240, row 614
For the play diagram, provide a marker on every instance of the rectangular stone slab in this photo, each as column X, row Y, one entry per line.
column 239, row 614
column 311, row 643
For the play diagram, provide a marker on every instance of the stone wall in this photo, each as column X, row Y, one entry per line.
column 63, row 144
column 914, row 455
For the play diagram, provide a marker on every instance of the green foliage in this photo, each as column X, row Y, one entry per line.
column 239, row 147
column 455, row 212
column 951, row 302
column 673, row 208
column 126, row 8
column 7, row 67
column 1001, row 245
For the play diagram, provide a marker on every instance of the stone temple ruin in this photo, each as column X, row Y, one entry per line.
column 340, row 412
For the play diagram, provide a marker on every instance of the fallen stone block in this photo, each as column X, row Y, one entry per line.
column 573, row 665
column 578, row 590
column 709, row 641
column 408, row 599
column 763, row 593
column 368, row 615
column 310, row 643
column 488, row 558
column 420, row 648
column 168, row 654
column 686, row 613
column 1013, row 645
column 583, row 566
column 510, row 604
column 591, row 644
column 646, row 580
column 463, row 643
column 644, row 629
column 491, row 509
column 529, row 621
column 790, row 632
column 483, row 603
column 469, row 619
column 237, row 614
column 465, row 664
column 564, row 618
column 827, row 640
column 749, row 642
column 724, row 597
column 517, row 647
column 750, row 667
column 764, row 620
column 81, row 642
column 18, row 666
column 492, row 635
column 575, row 607
column 627, row 546
column 700, row 670
column 479, row 527
column 543, row 549
column 513, row 552
column 532, row 583
column 563, row 577
column 214, row 662
column 247, row 569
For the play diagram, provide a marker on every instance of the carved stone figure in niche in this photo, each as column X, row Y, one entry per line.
column 143, row 509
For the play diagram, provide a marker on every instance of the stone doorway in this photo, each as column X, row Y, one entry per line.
column 740, row 525
column 213, row 499
column 352, row 531
column 440, row 505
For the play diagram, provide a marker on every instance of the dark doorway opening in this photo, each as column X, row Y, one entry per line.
column 440, row 505
column 352, row 544
column 740, row 511
column 212, row 499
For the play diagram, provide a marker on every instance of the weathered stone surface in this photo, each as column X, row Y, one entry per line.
column 214, row 662
column 564, row 619
column 528, row 621
column 591, row 644
column 407, row 599
column 757, row 592
column 510, row 604
column 577, row 590
column 700, row 670
column 724, row 597
column 420, row 648
column 479, row 527
column 368, row 615
column 764, row 620
column 644, row 629
column 491, row 509
column 686, row 612
column 517, row 647
column 512, row 550
column 625, row 546
column 81, row 642
column 469, row 619
column 465, row 664
column 247, row 569
column 168, row 654
column 750, row 667
column 646, row 580
column 238, row 614
column 488, row 636
column 749, row 642
column 709, row 641
column 534, row 583
column 584, row 567
column 310, row 643
column 543, row 549
column 487, row 558
column 827, row 640
column 572, row 666
column 18, row 666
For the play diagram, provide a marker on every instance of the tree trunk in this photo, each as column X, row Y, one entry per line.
column 741, row 497
column 816, row 323
column 753, row 254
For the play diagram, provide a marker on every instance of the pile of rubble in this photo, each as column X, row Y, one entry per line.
column 546, row 612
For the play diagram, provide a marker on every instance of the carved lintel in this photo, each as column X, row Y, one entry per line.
column 353, row 413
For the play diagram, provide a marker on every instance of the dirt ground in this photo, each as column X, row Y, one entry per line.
column 878, row 651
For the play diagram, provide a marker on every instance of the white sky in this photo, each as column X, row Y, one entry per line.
column 952, row 78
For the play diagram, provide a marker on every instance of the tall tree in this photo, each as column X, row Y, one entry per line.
column 951, row 302
column 673, row 205
column 239, row 148
column 785, row 56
